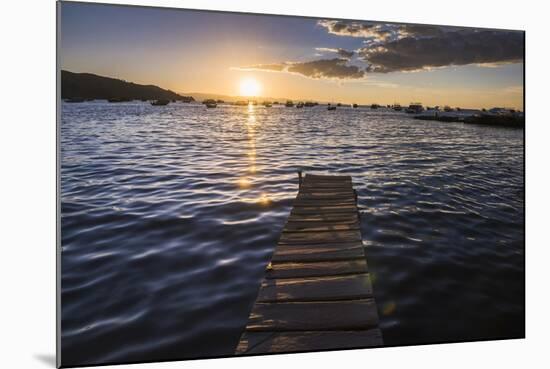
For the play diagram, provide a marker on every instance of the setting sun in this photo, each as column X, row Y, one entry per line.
column 249, row 87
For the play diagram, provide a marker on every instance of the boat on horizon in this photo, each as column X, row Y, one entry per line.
column 119, row 99
column 300, row 105
column 160, row 102
column 354, row 106
column 210, row 103
column 74, row 100
column 415, row 108
column 289, row 104
column 331, row 107
column 397, row 107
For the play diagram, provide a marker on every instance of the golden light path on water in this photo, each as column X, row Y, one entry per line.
column 246, row 180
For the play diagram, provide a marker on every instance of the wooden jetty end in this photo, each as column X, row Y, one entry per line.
column 317, row 293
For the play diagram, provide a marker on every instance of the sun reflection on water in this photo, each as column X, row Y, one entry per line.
column 246, row 180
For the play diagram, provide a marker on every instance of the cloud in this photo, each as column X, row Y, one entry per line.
column 336, row 68
column 343, row 53
column 446, row 49
column 409, row 47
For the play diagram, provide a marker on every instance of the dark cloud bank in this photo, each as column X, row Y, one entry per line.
column 396, row 48
column 336, row 68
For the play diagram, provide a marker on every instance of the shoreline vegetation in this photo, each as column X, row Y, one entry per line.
column 81, row 87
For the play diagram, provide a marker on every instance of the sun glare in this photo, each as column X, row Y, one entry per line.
column 250, row 87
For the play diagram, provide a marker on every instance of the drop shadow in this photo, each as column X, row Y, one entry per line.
column 47, row 359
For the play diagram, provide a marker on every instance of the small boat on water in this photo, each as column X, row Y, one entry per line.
column 74, row 100
column 397, row 107
column 339, row 104
column 415, row 108
column 289, row 104
column 160, row 102
column 354, row 106
column 331, row 107
column 267, row 104
column 374, row 106
column 210, row 103
column 300, row 105
column 119, row 99
column 310, row 104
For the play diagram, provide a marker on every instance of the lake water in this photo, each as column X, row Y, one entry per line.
column 170, row 215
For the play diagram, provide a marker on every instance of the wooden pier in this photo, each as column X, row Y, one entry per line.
column 317, row 293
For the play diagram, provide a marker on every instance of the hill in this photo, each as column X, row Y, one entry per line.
column 92, row 86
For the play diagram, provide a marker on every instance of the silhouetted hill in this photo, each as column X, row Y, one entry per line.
column 92, row 86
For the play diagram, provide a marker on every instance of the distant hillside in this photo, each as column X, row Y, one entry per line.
column 92, row 86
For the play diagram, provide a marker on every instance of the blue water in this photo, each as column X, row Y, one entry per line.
column 170, row 214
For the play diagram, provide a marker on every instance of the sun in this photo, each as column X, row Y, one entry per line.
column 250, row 87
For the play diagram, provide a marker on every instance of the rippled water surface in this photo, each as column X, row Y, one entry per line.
column 170, row 215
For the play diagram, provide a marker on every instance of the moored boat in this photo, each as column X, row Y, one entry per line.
column 210, row 103
column 289, row 104
column 160, row 102
column 74, row 100
column 415, row 108
column 119, row 99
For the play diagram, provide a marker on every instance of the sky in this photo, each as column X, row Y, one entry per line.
column 319, row 59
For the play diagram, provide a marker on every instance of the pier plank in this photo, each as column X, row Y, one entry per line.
column 326, row 288
column 315, row 269
column 279, row 342
column 311, row 316
column 316, row 237
column 315, row 252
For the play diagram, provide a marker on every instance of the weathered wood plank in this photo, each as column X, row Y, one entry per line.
column 319, row 227
column 332, row 218
column 315, row 269
column 326, row 288
column 335, row 178
column 312, row 237
column 311, row 316
column 324, row 210
column 317, row 252
column 279, row 342
column 324, row 202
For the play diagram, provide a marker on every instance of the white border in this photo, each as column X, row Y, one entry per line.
column 28, row 185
